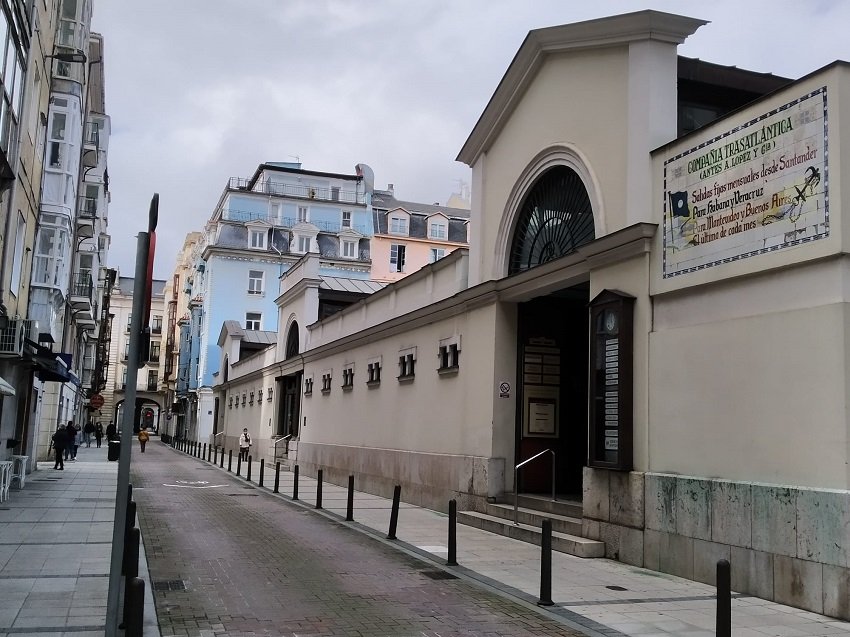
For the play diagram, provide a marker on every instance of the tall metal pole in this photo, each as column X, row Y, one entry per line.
column 140, row 293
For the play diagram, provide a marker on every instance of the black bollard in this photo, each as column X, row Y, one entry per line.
column 221, row 466
column 319, row 489
column 546, row 565
column 131, row 565
column 239, row 464
column 452, row 561
column 723, row 626
column 277, row 477
column 204, row 453
column 127, row 563
column 134, row 607
column 394, row 512
column 349, row 512
column 215, row 455
column 248, row 475
column 229, row 459
column 262, row 464
column 295, row 484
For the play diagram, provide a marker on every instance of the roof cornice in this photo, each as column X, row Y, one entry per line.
column 540, row 43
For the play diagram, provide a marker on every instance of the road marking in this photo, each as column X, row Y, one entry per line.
column 192, row 486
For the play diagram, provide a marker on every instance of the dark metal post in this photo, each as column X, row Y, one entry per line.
column 221, row 461
column 215, row 455
column 229, row 459
column 248, row 475
column 295, row 484
column 262, row 464
column 204, row 453
column 724, row 599
column 131, row 566
column 546, row 565
column 319, row 489
column 349, row 512
column 134, row 607
column 277, row 477
column 394, row 512
column 452, row 561
column 239, row 464
column 128, row 526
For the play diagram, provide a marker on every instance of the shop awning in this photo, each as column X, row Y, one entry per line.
column 5, row 388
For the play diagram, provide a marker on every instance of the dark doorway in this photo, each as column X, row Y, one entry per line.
column 552, row 382
column 289, row 389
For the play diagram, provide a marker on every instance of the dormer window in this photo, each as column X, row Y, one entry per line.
column 257, row 239
column 437, row 229
column 349, row 249
column 303, row 244
column 398, row 224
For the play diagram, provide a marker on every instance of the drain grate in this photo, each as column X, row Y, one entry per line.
column 169, row 585
column 439, row 575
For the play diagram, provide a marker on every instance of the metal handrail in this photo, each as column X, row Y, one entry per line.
column 220, row 433
column 286, row 437
column 516, row 471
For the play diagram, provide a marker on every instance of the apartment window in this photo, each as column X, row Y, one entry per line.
column 303, row 244
column 406, row 365
column 271, row 393
column 237, row 403
column 373, row 373
column 260, row 395
column 255, row 281
column 308, row 386
column 398, row 225
column 327, row 377
column 152, row 380
column 129, row 322
column 258, row 239
column 253, row 320
column 154, row 352
column 303, row 214
column 348, row 378
column 230, row 402
column 124, row 379
column 244, row 398
column 17, row 265
column 251, row 399
column 335, row 193
column 126, row 350
column 156, row 325
column 349, row 249
column 437, row 254
column 346, row 218
column 396, row 257
column 437, row 230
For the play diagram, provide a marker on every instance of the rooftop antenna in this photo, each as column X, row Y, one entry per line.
column 297, row 158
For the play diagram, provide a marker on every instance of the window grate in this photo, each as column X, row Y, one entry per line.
column 169, row 585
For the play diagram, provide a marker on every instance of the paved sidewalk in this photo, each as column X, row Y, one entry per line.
column 599, row 596
column 55, row 550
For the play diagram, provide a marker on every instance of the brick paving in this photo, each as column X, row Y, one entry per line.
column 226, row 558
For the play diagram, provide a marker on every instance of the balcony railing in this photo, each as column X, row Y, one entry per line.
column 88, row 207
column 151, row 387
column 92, row 137
column 231, row 214
column 156, row 329
column 82, row 285
column 269, row 187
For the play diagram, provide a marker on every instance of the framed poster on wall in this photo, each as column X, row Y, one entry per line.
column 540, row 413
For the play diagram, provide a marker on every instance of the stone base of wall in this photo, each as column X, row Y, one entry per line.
column 786, row 544
column 427, row 480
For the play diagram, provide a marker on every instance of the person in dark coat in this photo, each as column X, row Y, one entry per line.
column 110, row 432
column 60, row 441
column 98, row 434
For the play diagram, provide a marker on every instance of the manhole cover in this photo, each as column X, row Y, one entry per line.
column 616, row 588
column 170, row 585
column 439, row 575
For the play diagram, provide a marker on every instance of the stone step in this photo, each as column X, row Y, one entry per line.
column 561, row 542
column 535, row 517
column 562, row 506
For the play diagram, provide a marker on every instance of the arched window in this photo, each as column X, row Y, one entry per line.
column 555, row 218
column 292, row 341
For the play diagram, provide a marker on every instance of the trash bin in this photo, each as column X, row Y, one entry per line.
column 114, row 450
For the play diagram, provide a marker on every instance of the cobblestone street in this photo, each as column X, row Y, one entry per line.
column 226, row 558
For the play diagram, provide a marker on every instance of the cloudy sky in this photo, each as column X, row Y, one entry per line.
column 203, row 90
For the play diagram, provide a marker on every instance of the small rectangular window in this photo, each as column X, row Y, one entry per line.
column 437, row 254
column 308, row 386
column 346, row 218
column 302, row 214
column 406, row 367
column 373, row 373
column 398, row 225
column 438, row 230
column 349, row 250
column 255, row 281
column 397, row 257
column 253, row 321
column 335, row 193
column 258, row 239
column 303, row 244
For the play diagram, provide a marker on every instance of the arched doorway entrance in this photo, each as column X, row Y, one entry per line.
column 289, row 389
column 554, row 219
column 148, row 413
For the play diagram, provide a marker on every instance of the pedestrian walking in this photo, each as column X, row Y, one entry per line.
column 59, row 441
column 244, row 444
column 74, row 438
column 70, row 437
column 98, row 434
column 88, row 430
column 143, row 438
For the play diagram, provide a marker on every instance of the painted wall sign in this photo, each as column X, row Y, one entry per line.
column 760, row 187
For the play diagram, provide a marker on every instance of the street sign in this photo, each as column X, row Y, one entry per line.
column 96, row 401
